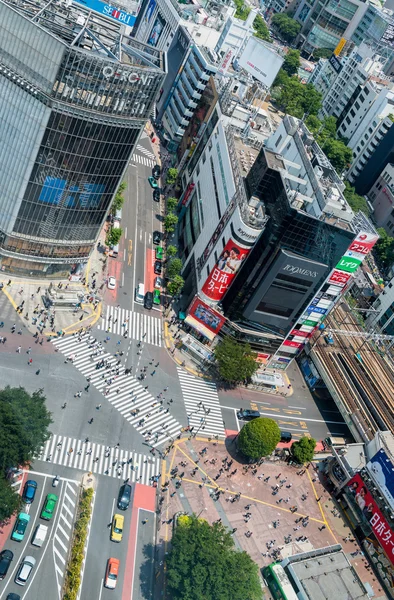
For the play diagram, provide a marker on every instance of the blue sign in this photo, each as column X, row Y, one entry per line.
column 52, row 190
column 382, row 471
column 317, row 309
column 109, row 11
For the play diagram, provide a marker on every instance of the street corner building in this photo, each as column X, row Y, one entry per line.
column 76, row 92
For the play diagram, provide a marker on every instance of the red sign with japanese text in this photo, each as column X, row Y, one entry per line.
column 292, row 344
column 363, row 243
column 373, row 514
column 206, row 315
column 339, row 277
column 225, row 270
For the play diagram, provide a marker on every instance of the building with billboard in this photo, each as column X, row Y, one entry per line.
column 75, row 96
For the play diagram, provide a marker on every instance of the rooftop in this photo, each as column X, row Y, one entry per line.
column 88, row 31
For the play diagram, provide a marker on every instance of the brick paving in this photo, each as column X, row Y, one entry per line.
column 197, row 494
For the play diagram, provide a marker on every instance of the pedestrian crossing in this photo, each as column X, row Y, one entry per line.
column 148, row 415
column 112, row 461
column 143, row 160
column 148, row 153
column 202, row 405
column 132, row 325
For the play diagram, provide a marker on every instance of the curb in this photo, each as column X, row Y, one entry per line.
column 169, row 341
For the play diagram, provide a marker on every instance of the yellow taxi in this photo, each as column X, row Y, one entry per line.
column 117, row 528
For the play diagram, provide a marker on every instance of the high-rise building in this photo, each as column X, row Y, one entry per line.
column 75, row 96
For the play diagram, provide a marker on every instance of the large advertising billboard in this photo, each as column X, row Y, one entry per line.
column 260, row 61
column 382, row 471
column 205, row 319
column 225, row 270
column 143, row 26
column 372, row 513
column 109, row 10
column 156, row 32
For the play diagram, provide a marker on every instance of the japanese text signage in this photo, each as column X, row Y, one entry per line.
column 382, row 471
column 225, row 270
column 206, row 315
column 372, row 513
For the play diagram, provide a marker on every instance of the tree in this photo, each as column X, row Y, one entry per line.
column 337, row 153
column 303, row 450
column 259, row 438
column 10, row 501
column 236, row 361
column 314, row 124
column 242, row 11
column 291, row 64
column 171, row 251
column 172, row 203
column 384, row 247
column 281, row 79
column 322, row 53
column 172, row 176
column 118, row 201
column 261, row 29
column 204, row 565
column 356, row 202
column 297, row 99
column 170, row 223
column 175, row 286
column 24, row 422
column 174, row 268
column 113, row 236
column 287, row 27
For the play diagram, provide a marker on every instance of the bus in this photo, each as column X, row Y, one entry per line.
column 278, row 583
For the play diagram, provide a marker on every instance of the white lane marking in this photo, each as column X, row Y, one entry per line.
column 299, row 407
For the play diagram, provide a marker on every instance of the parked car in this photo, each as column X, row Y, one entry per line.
column 156, row 195
column 156, row 172
column 156, row 237
column 29, row 491
column 159, row 253
column 156, row 297
column 13, row 597
column 158, row 266
column 19, row 530
column 152, row 182
column 111, row 573
column 285, row 436
column 49, row 507
column 124, row 496
column 117, row 528
column 111, row 283
column 6, row 558
column 248, row 415
column 25, row 570
column 158, row 282
column 148, row 300
column 140, row 293
column 40, row 535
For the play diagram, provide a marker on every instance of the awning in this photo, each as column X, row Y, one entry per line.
column 210, row 335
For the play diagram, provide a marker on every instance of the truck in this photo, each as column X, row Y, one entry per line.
column 40, row 535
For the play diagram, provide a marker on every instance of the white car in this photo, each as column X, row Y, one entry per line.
column 158, row 282
column 111, row 283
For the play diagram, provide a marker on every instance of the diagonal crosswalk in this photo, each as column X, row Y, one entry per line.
column 148, row 415
column 100, row 459
column 145, row 151
column 133, row 325
column 202, row 404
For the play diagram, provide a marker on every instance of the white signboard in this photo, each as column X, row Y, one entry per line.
column 260, row 61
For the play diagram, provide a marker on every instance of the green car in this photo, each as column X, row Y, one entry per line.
column 152, row 182
column 159, row 253
column 18, row 533
column 49, row 507
column 156, row 296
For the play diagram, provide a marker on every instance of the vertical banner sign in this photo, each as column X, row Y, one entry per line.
column 225, row 270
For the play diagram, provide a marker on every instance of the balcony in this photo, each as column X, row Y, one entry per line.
column 196, row 95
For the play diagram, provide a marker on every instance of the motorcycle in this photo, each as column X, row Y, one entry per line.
column 55, row 481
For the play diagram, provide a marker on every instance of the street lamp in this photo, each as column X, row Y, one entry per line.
column 201, row 511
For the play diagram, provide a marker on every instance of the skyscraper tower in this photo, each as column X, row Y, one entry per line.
column 75, row 94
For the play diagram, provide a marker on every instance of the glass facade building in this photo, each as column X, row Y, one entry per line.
column 75, row 95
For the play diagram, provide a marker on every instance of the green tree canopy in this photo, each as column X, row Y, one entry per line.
column 242, row 11
column 339, row 155
column 236, row 361
column 113, row 236
column 322, row 53
column 172, row 203
column 384, row 248
column 356, row 202
column 118, row 201
column 286, row 26
column 170, row 222
column 10, row 501
column 259, row 438
column 172, row 176
column 298, row 99
column 303, row 450
column 171, row 251
column 174, row 268
column 204, row 565
column 24, row 422
column 261, row 30
column 291, row 64
column 175, row 286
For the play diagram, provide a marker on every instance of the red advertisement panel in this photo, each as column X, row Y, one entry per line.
column 292, row 344
column 363, row 243
column 371, row 511
column 339, row 277
column 225, row 270
column 300, row 333
column 206, row 315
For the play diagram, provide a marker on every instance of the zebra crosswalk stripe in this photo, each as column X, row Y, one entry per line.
column 121, row 321
column 127, row 395
column 202, row 404
column 145, row 151
column 148, row 162
column 114, row 462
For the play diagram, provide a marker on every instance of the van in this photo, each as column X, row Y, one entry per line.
column 335, row 441
column 140, row 293
column 285, row 437
column 114, row 251
column 40, row 535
